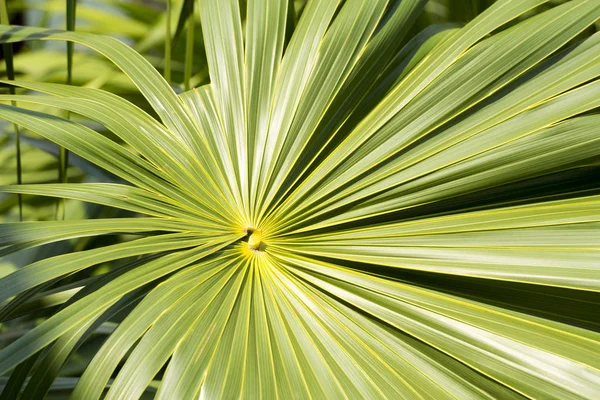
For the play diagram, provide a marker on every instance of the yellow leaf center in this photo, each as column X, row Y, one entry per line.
column 255, row 240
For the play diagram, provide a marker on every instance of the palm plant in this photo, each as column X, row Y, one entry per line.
column 138, row 24
column 337, row 214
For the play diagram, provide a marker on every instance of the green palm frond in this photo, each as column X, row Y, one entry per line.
column 317, row 222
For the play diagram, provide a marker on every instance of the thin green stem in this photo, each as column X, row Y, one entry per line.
column 71, row 12
column 10, row 73
column 189, row 51
column 167, row 71
column 63, row 157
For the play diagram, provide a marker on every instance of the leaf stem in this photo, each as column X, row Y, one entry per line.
column 10, row 73
column 189, row 51
column 63, row 157
column 167, row 71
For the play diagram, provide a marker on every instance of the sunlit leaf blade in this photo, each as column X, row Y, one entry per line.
column 462, row 330
column 114, row 195
column 151, row 84
column 361, row 153
column 264, row 49
column 162, row 150
column 197, row 284
column 222, row 29
column 437, row 62
column 100, row 300
column 50, row 231
column 551, row 243
column 55, row 267
column 333, row 65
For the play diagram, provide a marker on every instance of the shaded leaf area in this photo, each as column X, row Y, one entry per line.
column 346, row 211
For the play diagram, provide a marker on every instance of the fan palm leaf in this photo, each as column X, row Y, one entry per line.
column 288, row 209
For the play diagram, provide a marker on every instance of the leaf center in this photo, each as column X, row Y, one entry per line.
column 255, row 241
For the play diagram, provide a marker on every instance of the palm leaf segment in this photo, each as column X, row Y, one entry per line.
column 288, row 190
